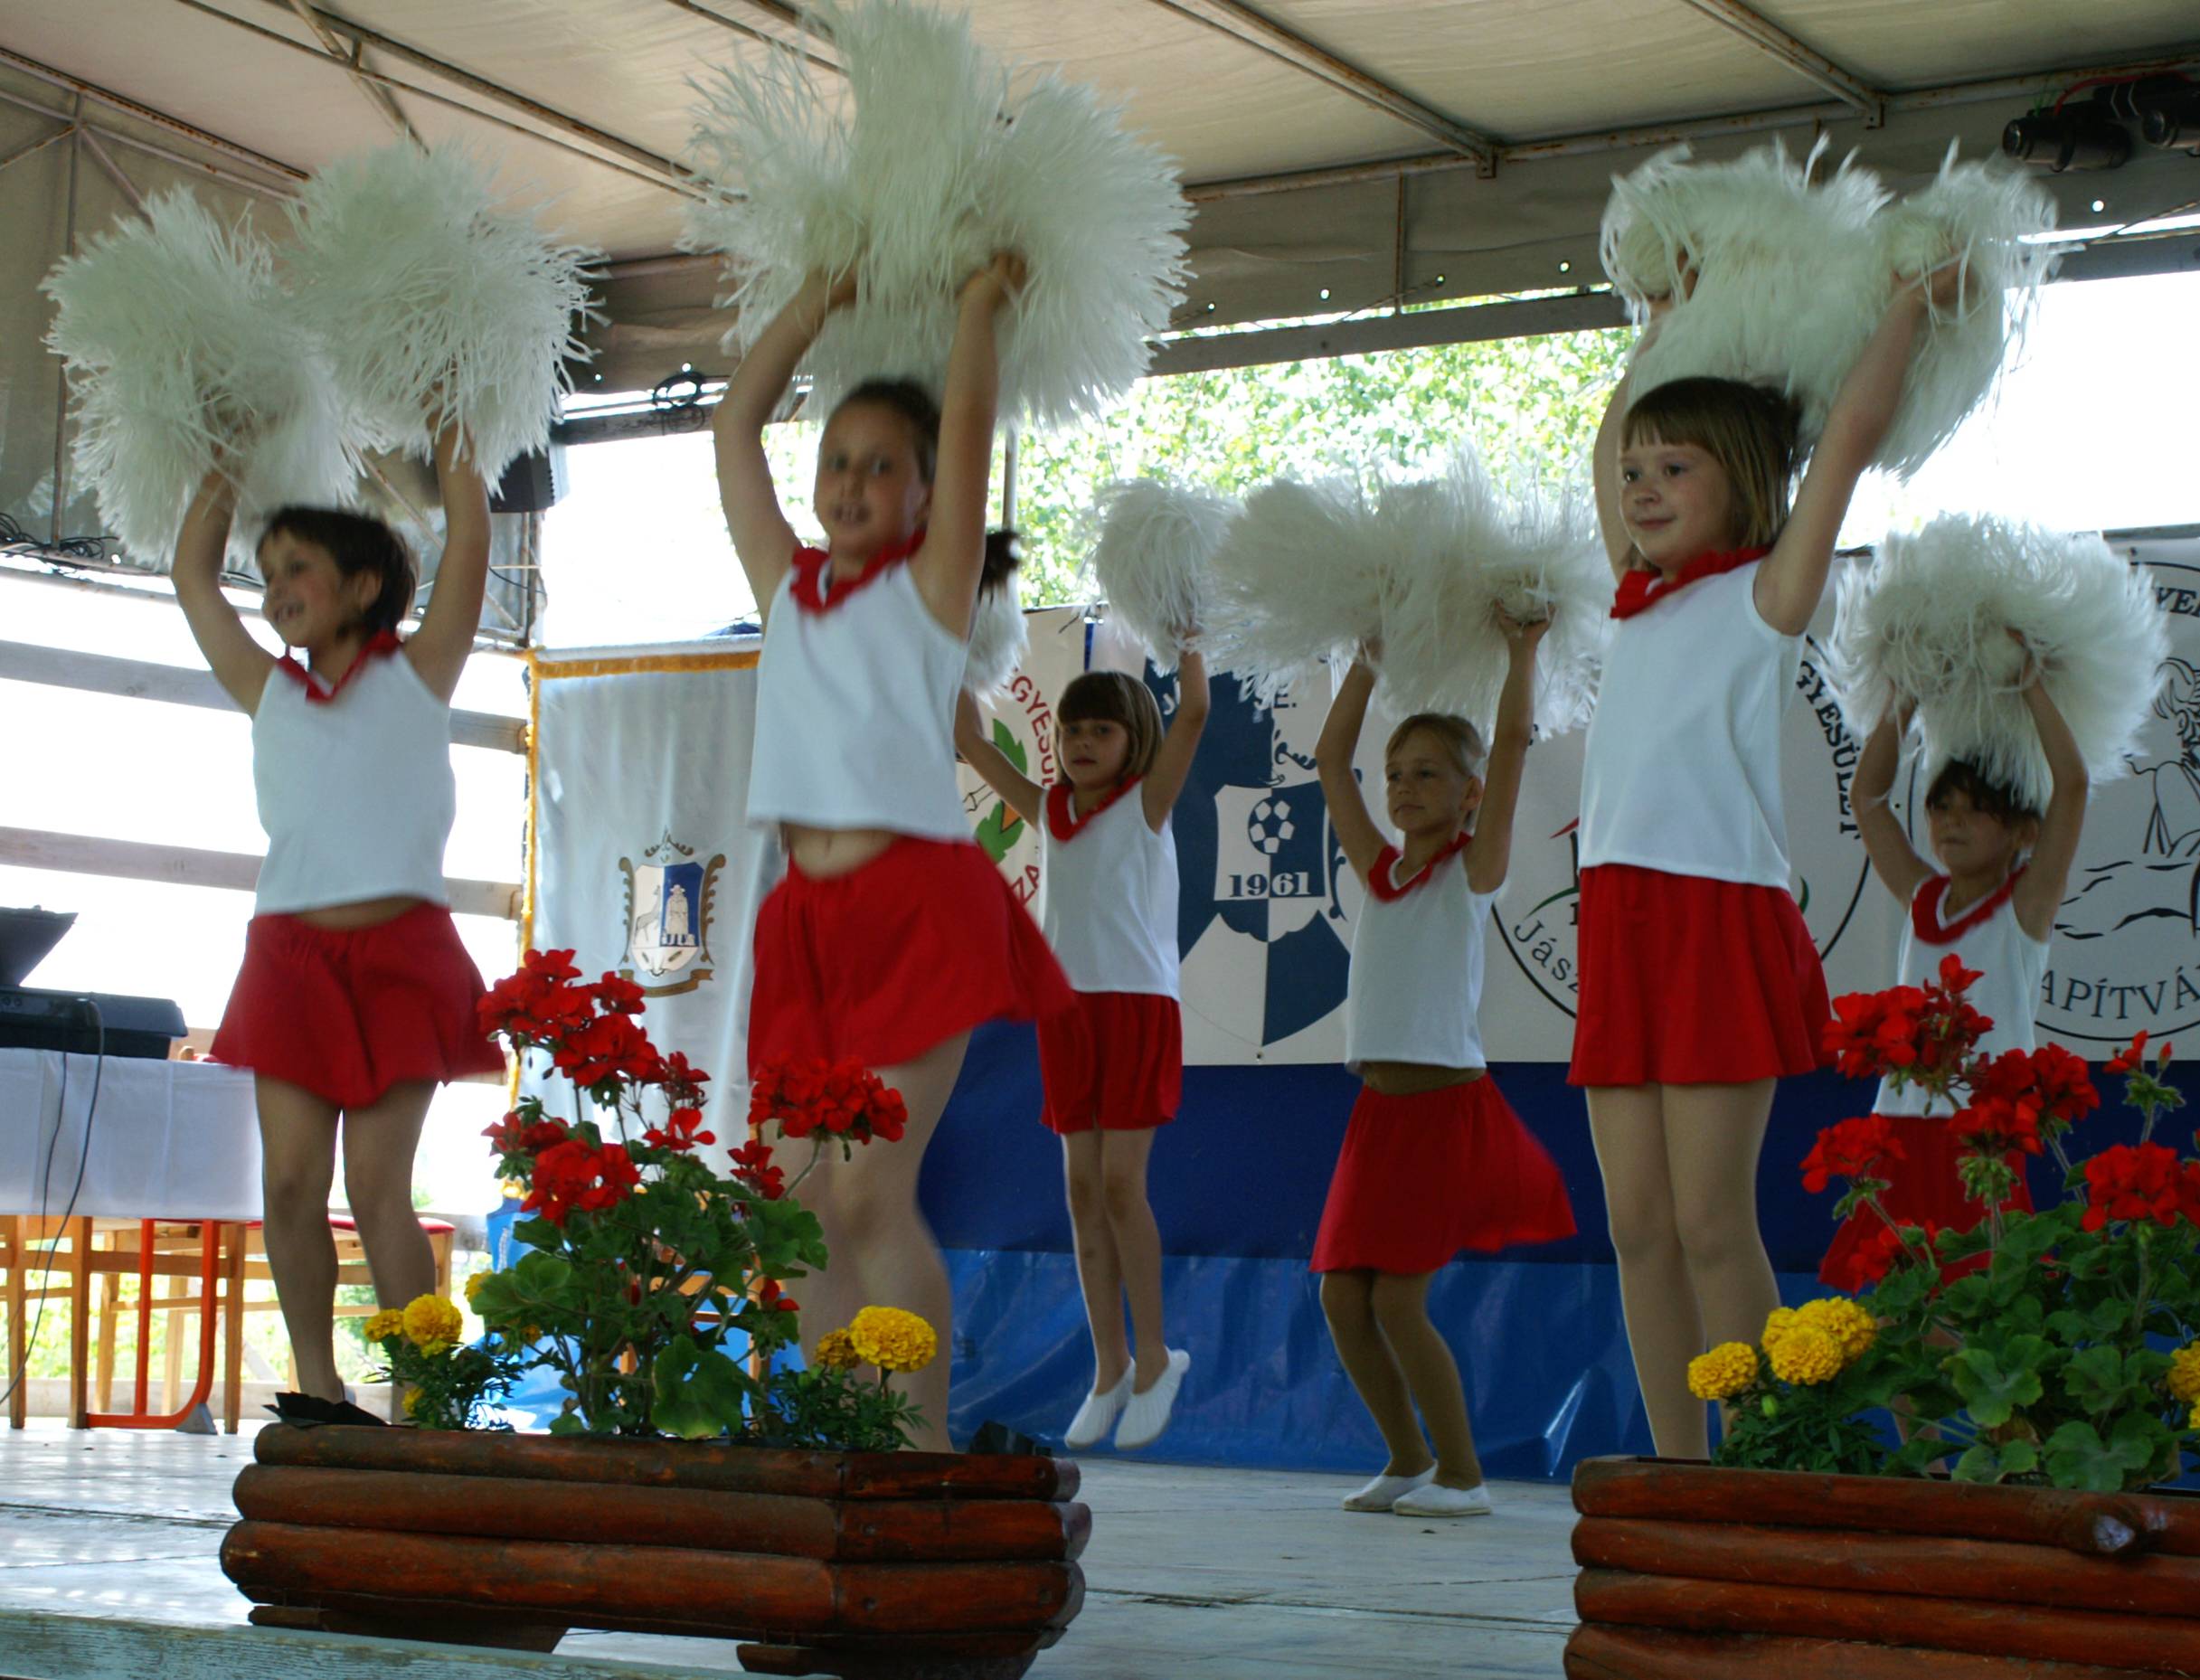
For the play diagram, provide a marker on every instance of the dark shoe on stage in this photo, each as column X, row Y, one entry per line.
column 307, row 1410
column 999, row 1438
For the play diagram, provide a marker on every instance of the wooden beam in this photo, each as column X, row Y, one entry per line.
column 1416, row 328
column 1770, row 38
column 193, row 866
column 180, row 685
column 1241, row 22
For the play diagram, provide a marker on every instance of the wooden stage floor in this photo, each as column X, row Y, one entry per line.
column 107, row 1544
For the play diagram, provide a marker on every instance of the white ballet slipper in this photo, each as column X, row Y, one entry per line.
column 1385, row 1491
column 1097, row 1416
column 1436, row 1500
column 1147, row 1414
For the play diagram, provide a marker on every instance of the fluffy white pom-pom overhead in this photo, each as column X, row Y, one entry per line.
column 176, row 341
column 1461, row 551
column 1792, row 277
column 1298, row 578
column 925, row 165
column 999, row 638
column 426, row 293
column 1151, row 557
column 1928, row 620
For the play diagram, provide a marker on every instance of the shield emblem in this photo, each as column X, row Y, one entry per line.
column 668, row 917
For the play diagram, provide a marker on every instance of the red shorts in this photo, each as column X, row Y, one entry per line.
column 1923, row 1188
column 1690, row 981
column 347, row 1013
column 924, row 941
column 1421, row 1179
column 1115, row 1061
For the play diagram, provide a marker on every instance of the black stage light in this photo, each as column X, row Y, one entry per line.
column 2166, row 108
column 2078, row 136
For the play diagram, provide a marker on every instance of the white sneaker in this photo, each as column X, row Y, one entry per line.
column 1147, row 1414
column 1097, row 1416
column 1435, row 1500
column 1385, row 1491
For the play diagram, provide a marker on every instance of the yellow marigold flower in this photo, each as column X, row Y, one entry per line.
column 385, row 1324
column 892, row 1339
column 2185, row 1373
column 836, row 1352
column 473, row 1286
column 1807, row 1357
column 1781, row 1321
column 431, row 1319
column 412, row 1400
column 1722, row 1372
column 1852, row 1329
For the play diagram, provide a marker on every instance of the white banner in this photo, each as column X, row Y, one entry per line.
column 1021, row 721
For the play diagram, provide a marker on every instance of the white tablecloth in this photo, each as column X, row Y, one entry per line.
column 168, row 1139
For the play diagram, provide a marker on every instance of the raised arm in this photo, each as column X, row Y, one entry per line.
column 1340, row 738
column 763, row 540
column 1491, row 854
column 948, row 567
column 1173, row 763
column 1023, row 796
column 1894, row 860
column 2039, row 894
column 241, row 665
column 439, row 649
column 1793, row 576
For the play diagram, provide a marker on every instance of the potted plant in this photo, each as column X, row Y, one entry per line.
column 698, row 1481
column 1958, row 1470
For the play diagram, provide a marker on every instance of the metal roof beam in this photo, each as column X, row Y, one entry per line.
column 1770, row 38
column 773, row 23
column 1241, row 22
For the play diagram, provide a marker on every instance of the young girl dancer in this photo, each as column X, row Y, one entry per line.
column 355, row 997
column 1994, row 908
column 1699, row 983
column 1434, row 1159
column 1111, row 1068
column 892, row 935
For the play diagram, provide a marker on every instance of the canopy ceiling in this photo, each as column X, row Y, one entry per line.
column 1385, row 150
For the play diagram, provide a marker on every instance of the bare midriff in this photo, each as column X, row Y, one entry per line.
column 366, row 913
column 824, row 853
column 1412, row 1079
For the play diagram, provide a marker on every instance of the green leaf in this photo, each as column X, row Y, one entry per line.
column 998, row 832
column 568, row 1423
column 2096, row 1380
column 1995, row 1383
column 1004, row 738
column 537, row 1233
column 2078, row 1457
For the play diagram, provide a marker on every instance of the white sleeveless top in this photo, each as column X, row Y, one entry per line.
column 855, row 705
column 1681, row 770
column 1414, row 991
column 2011, row 964
column 354, row 789
column 1111, row 893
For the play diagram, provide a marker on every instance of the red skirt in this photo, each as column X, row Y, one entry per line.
column 1115, row 1061
column 347, row 1013
column 1923, row 1188
column 924, row 941
column 1421, row 1179
column 1690, row 981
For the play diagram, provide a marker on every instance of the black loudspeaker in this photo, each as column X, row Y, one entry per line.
column 533, row 484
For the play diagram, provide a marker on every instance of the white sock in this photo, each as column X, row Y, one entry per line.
column 1385, row 1491
column 1147, row 1414
column 1436, row 1500
column 1097, row 1416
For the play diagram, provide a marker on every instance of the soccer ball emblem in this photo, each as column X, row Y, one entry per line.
column 1269, row 825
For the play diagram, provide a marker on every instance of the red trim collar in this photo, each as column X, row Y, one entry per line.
column 1061, row 819
column 1643, row 587
column 811, row 565
column 1925, row 909
column 379, row 646
column 1380, row 884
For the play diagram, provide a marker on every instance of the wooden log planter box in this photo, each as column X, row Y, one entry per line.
column 1691, row 1572
column 920, row 1566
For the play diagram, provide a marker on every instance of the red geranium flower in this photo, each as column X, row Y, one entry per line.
column 617, row 997
column 771, row 1298
column 1850, row 1149
column 608, row 1047
column 570, row 1174
column 2139, row 1180
column 752, row 1164
column 681, row 1131
column 843, row 1098
column 515, row 1136
column 1870, row 1261
column 683, row 1084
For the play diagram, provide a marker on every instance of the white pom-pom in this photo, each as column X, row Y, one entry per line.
column 1151, row 557
column 1461, row 551
column 176, row 341
column 426, row 294
column 1990, row 219
column 1792, row 278
column 929, row 165
column 1298, row 578
column 999, row 638
column 1929, row 618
